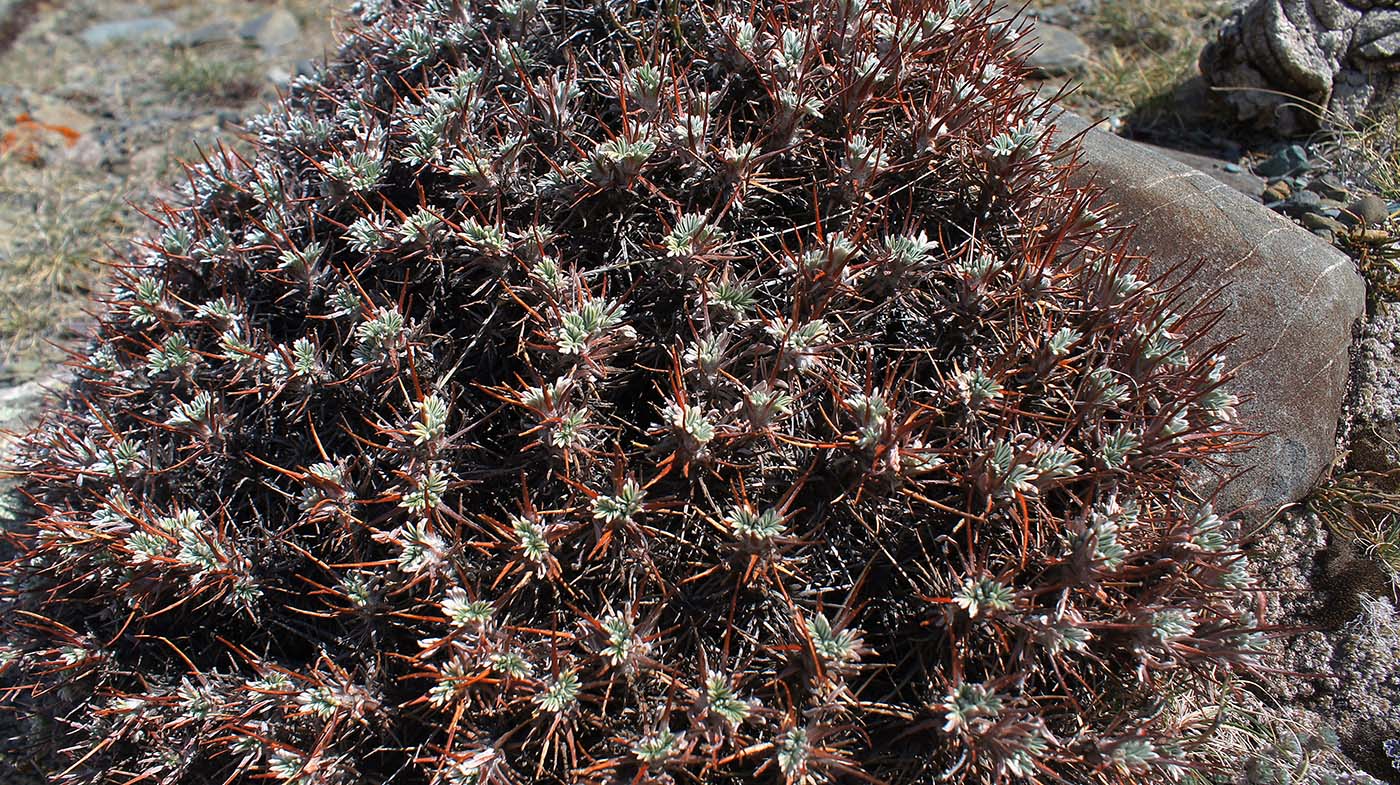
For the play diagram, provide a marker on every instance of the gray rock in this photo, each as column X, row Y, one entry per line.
column 1285, row 62
column 1301, row 203
column 1328, row 186
column 1291, row 299
column 1277, row 191
column 152, row 28
column 212, row 33
column 1290, row 159
column 1369, row 210
column 1226, row 172
column 1323, row 223
column 279, row 76
column 273, row 30
column 22, row 404
column 1059, row 51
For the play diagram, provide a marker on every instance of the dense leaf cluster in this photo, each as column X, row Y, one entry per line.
column 586, row 391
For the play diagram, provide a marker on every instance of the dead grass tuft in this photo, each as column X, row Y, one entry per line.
column 198, row 76
column 1365, row 507
column 1369, row 152
column 51, row 231
column 1143, row 50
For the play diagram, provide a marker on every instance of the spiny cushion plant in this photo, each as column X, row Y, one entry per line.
column 591, row 392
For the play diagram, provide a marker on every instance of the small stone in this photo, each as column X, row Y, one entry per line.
column 1277, row 191
column 1301, row 203
column 1318, row 222
column 1326, row 234
column 1059, row 51
column 128, row 30
column 1369, row 210
column 1290, row 159
column 1233, row 168
column 1328, row 187
column 88, row 153
column 279, row 76
column 1242, row 181
column 273, row 30
column 1056, row 14
column 53, row 112
column 213, row 33
column 22, row 403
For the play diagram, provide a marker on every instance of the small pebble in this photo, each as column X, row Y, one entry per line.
column 1319, row 222
column 1277, row 191
column 1328, row 187
column 273, row 31
column 1299, row 204
column 1233, row 168
column 279, row 76
column 128, row 30
column 1369, row 210
column 1059, row 51
column 212, row 33
column 1290, row 159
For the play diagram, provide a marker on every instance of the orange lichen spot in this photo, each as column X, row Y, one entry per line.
column 24, row 141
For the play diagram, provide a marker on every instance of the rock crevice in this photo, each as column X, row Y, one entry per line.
column 1291, row 64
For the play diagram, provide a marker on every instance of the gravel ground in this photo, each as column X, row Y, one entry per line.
column 99, row 100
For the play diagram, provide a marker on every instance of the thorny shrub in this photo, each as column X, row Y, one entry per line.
column 592, row 392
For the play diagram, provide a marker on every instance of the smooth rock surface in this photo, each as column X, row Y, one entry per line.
column 51, row 111
column 273, row 30
column 1059, row 51
column 1291, row 298
column 1249, row 184
column 22, row 404
column 212, row 33
column 128, row 30
column 1369, row 210
column 1338, row 57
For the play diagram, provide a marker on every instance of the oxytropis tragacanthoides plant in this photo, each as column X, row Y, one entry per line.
column 594, row 392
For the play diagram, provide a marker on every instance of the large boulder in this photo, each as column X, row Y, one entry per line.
column 1290, row 300
column 1339, row 55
